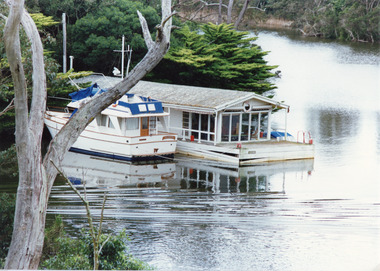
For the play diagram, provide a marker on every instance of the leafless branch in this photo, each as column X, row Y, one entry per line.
column 261, row 9
column 144, row 26
column 211, row 4
column 10, row 106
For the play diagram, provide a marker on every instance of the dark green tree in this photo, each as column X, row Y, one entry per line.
column 74, row 9
column 218, row 57
column 94, row 37
column 7, row 210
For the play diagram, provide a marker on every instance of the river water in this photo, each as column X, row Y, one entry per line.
column 321, row 214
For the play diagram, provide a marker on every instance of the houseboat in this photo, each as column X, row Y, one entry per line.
column 126, row 130
column 226, row 125
column 223, row 125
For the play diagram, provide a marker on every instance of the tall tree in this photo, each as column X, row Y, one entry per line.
column 37, row 173
column 94, row 37
column 218, row 57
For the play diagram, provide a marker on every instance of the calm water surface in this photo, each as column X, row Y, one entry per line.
column 321, row 214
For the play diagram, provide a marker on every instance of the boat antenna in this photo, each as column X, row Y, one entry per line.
column 129, row 56
column 72, row 82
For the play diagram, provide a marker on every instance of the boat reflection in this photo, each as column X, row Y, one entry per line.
column 184, row 173
column 210, row 176
column 102, row 172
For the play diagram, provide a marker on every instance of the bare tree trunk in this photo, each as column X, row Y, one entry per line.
column 229, row 11
column 36, row 176
column 220, row 12
column 29, row 224
column 241, row 14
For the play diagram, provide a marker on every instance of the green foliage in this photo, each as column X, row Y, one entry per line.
column 6, row 83
column 61, row 252
column 57, row 84
column 43, row 21
column 74, row 9
column 52, row 233
column 8, row 162
column 7, row 210
column 94, row 37
column 65, row 253
column 218, row 57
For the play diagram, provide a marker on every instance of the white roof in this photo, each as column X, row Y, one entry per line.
column 200, row 97
column 186, row 97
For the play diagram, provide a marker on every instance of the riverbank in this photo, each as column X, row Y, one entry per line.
column 275, row 23
column 204, row 16
column 309, row 27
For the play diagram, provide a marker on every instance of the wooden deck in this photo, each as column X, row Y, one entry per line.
column 249, row 152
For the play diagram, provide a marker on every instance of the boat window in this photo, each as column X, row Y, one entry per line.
column 144, row 123
column 103, row 120
column 151, row 107
column 226, row 128
column 244, row 127
column 110, row 124
column 193, row 174
column 263, row 124
column 195, row 124
column 185, row 123
column 120, row 120
column 235, row 127
column 185, row 120
column 212, row 126
column 210, row 177
column 254, row 126
column 204, row 126
column 132, row 124
column 142, row 107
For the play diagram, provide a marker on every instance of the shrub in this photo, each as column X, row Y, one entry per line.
column 65, row 253
column 7, row 210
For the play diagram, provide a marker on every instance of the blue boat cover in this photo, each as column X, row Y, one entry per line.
column 87, row 92
column 136, row 108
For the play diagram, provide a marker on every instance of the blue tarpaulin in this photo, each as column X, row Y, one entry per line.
column 148, row 106
column 87, row 92
column 275, row 134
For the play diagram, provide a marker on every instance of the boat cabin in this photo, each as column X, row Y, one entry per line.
column 131, row 115
column 210, row 115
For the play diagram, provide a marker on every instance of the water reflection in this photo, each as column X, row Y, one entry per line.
column 169, row 190
column 183, row 172
column 209, row 176
column 102, row 173
column 200, row 215
column 335, row 127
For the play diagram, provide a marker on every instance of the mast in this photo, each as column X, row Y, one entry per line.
column 64, row 42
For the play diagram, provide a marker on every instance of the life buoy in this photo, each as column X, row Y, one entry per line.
column 115, row 104
column 247, row 107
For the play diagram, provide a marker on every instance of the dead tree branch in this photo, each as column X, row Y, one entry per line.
column 9, row 107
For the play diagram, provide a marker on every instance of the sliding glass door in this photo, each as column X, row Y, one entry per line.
column 244, row 126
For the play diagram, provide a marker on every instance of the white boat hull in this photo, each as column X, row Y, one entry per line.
column 94, row 142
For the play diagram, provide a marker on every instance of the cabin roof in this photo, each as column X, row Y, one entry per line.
column 200, row 97
column 208, row 99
